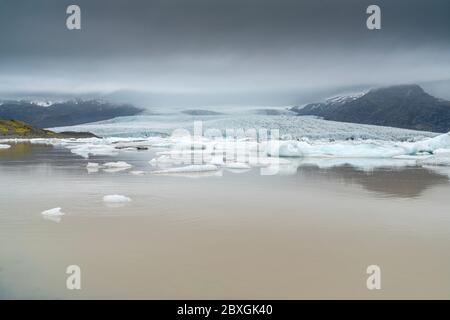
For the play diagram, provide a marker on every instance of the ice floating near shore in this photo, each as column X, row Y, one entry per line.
column 118, row 164
column 5, row 146
column 137, row 172
column 53, row 212
column 86, row 150
column 180, row 153
column 108, row 166
column 92, row 165
column 357, row 149
column 237, row 166
column 189, row 169
column 116, row 198
column 365, row 149
column 164, row 160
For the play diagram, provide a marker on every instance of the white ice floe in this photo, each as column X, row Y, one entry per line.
column 189, row 169
column 137, row 172
column 92, row 165
column 360, row 149
column 366, row 147
column 116, row 198
column 357, row 149
column 118, row 164
column 217, row 160
column 5, row 146
column 112, row 167
column 53, row 212
column 164, row 160
column 237, row 165
column 86, row 150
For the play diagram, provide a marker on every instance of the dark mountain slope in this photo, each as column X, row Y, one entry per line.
column 406, row 106
column 64, row 113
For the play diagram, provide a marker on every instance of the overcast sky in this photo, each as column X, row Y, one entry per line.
column 211, row 52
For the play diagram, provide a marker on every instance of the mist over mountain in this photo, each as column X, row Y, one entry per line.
column 47, row 114
column 167, row 54
column 200, row 112
column 402, row 106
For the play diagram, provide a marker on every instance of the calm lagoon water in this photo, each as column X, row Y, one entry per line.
column 308, row 233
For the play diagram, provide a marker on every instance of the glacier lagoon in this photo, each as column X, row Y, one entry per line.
column 303, row 226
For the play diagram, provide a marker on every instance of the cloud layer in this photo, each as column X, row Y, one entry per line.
column 217, row 51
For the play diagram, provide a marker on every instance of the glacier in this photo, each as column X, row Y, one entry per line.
column 302, row 141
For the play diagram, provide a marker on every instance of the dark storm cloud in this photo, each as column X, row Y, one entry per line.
column 214, row 48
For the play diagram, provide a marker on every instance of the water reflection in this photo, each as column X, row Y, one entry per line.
column 25, row 151
column 408, row 182
column 384, row 177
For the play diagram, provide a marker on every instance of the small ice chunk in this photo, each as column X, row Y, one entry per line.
column 118, row 164
column 237, row 165
column 53, row 212
column 92, row 165
column 137, row 172
column 191, row 168
column 217, row 160
column 85, row 150
column 5, row 146
column 116, row 198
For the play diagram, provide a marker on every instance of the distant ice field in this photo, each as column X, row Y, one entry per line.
column 288, row 125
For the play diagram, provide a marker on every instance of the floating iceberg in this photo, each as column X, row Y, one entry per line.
column 116, row 198
column 5, row 146
column 137, row 172
column 53, row 212
column 92, row 165
column 357, row 149
column 237, row 165
column 118, row 164
column 311, row 141
column 164, row 160
column 87, row 150
column 187, row 169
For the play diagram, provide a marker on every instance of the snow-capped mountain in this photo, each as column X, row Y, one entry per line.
column 45, row 114
column 404, row 106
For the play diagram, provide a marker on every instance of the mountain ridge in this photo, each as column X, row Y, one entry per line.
column 66, row 113
column 401, row 106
